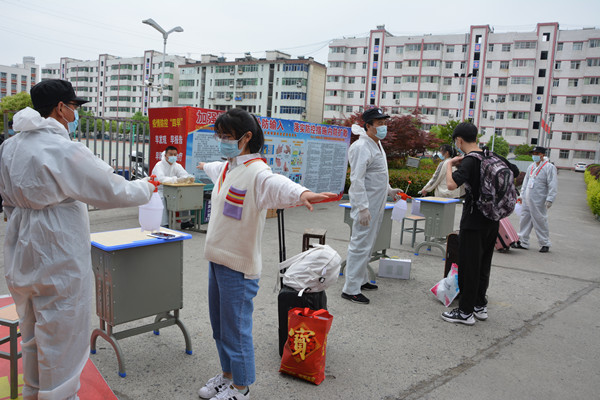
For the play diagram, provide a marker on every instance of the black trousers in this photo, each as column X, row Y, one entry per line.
column 476, row 248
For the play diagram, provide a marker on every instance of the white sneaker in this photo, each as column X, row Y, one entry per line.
column 480, row 313
column 214, row 386
column 231, row 393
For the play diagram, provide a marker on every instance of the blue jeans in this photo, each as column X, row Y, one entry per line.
column 230, row 307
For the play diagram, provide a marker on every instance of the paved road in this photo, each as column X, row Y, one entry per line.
column 540, row 342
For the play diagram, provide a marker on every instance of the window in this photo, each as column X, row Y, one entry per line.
column 568, row 118
column 361, row 95
column 553, row 99
column 555, row 82
column 409, row 95
column 337, row 49
column 349, row 109
column 398, row 64
column 429, row 111
column 515, row 132
column 498, row 131
column 544, row 55
column 488, row 64
column 365, row 50
column 506, row 47
column 430, row 79
column 376, row 41
column 386, row 65
column 488, row 81
column 462, row 65
column 413, row 47
column 559, row 46
column 502, row 81
column 566, row 136
column 563, row 153
column 551, row 117
column 588, row 118
column 525, row 45
column 353, row 50
column 383, row 95
column 503, row 64
column 522, row 63
column 570, row 100
column 430, row 63
column 399, row 50
column 461, row 96
column 557, row 65
column 589, row 155
column 448, row 64
column 464, row 48
column 334, row 64
column 428, row 95
column 397, row 79
column 224, row 68
column 352, row 65
column 546, row 37
column 500, row 115
column 364, row 65
column 575, row 64
column 294, row 110
column 445, row 112
column 518, row 115
column 591, row 81
column 431, row 46
column 363, row 80
column 384, row 80
column 350, row 95
column 447, row 81
column 491, row 47
column 521, row 80
column 520, row 97
column 593, row 62
column 410, row 79
column 540, row 90
column 486, row 98
column 413, row 63
column 573, row 82
column 590, row 99
column 542, row 73
column 484, row 115
column 351, row 79
column 387, row 50
column 450, row 49
column 396, row 95
column 577, row 45
column 446, row 96
column 594, row 43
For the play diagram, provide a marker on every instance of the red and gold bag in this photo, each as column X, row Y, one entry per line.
column 305, row 348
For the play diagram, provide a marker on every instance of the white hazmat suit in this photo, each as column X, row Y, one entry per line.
column 539, row 186
column 45, row 179
column 169, row 173
column 369, row 189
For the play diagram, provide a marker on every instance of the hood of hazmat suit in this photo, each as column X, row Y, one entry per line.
column 45, row 181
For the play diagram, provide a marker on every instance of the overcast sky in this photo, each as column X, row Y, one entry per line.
column 84, row 29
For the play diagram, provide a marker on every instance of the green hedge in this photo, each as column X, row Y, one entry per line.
column 593, row 188
column 399, row 179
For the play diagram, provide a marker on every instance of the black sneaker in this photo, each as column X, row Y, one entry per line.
column 518, row 245
column 369, row 286
column 356, row 298
column 187, row 225
column 544, row 249
column 458, row 316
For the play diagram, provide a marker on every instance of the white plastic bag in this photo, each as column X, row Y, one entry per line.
column 518, row 209
column 399, row 210
column 446, row 290
column 416, row 208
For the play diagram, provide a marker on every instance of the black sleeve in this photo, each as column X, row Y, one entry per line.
column 464, row 171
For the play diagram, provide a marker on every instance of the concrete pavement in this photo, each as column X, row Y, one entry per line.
column 540, row 342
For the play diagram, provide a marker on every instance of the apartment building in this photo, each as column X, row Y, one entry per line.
column 120, row 87
column 504, row 82
column 275, row 86
column 18, row 78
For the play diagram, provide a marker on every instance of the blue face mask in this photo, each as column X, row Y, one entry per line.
column 172, row 159
column 381, row 132
column 535, row 158
column 229, row 148
column 458, row 149
column 72, row 126
column 11, row 132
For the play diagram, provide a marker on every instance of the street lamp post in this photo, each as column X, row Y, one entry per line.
column 165, row 35
column 495, row 117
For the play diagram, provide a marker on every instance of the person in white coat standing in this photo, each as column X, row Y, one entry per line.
column 537, row 195
column 45, row 181
column 437, row 183
column 368, row 193
column 168, row 170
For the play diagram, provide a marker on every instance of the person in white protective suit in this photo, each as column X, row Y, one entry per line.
column 368, row 193
column 45, row 181
column 537, row 195
column 168, row 170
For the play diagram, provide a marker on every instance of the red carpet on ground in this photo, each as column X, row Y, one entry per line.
column 93, row 385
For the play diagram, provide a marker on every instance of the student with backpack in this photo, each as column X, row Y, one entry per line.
column 491, row 196
column 245, row 187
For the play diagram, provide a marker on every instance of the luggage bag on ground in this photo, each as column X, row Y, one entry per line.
column 506, row 235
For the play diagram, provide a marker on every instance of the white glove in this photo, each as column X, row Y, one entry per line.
column 364, row 217
column 394, row 192
column 548, row 204
column 182, row 179
column 191, row 179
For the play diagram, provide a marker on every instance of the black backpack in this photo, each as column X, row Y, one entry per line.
column 497, row 192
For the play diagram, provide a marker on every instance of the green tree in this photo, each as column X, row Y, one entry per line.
column 444, row 132
column 523, row 150
column 500, row 146
column 12, row 104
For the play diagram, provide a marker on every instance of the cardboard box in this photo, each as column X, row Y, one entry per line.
column 394, row 268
